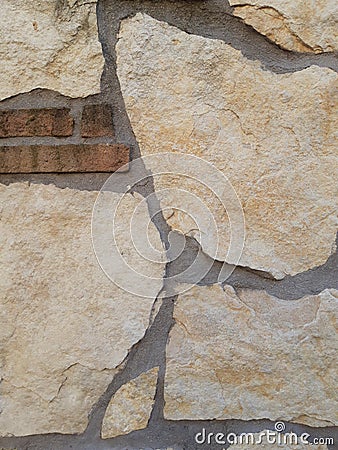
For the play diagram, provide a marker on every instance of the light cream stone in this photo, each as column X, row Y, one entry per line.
column 65, row 328
column 287, row 442
column 272, row 135
column 252, row 356
column 49, row 44
column 130, row 408
column 302, row 25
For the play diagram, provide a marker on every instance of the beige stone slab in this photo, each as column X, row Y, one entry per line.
column 65, row 327
column 131, row 406
column 272, row 135
column 301, row 26
column 252, row 356
column 49, row 44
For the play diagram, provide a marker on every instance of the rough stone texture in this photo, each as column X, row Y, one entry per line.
column 302, row 25
column 63, row 158
column 64, row 326
column 131, row 406
column 36, row 122
column 252, row 356
column 271, row 134
column 53, row 45
column 264, row 443
column 97, row 120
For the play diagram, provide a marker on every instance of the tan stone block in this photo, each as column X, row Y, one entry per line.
column 65, row 327
column 271, row 135
column 50, row 44
column 252, row 356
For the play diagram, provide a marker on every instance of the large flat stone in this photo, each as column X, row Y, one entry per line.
column 131, row 406
column 252, row 356
column 301, row 26
column 270, row 134
column 65, row 328
column 49, row 44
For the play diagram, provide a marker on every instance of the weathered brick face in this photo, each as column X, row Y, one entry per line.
column 97, row 121
column 72, row 153
column 63, row 158
column 36, row 122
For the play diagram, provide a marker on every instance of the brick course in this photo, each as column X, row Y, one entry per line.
column 63, row 158
column 36, row 122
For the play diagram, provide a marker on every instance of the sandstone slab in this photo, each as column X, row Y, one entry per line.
column 131, row 406
column 252, row 356
column 271, row 135
column 65, row 328
column 301, row 26
column 49, row 44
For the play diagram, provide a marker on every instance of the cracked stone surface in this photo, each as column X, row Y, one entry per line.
column 65, row 328
column 301, row 26
column 130, row 408
column 270, row 134
column 252, row 356
column 264, row 443
column 54, row 45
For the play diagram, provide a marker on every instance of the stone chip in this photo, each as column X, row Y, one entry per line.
column 301, row 26
column 131, row 406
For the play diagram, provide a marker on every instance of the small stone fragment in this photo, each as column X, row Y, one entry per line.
column 131, row 406
column 301, row 26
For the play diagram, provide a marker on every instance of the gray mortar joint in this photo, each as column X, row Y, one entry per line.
column 212, row 19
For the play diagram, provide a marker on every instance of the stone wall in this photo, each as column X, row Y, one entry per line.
column 168, row 224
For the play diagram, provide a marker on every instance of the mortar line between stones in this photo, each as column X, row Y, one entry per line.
column 131, row 359
column 223, row 25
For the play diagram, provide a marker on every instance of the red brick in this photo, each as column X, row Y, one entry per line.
column 36, row 122
column 97, row 120
column 63, row 158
